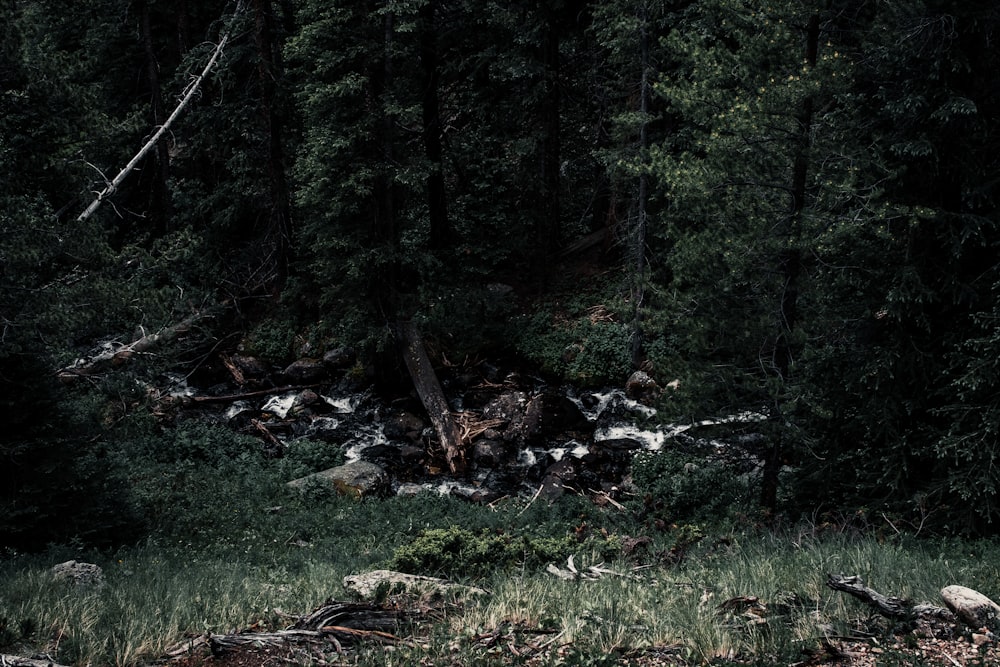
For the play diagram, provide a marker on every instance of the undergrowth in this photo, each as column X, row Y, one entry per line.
column 228, row 546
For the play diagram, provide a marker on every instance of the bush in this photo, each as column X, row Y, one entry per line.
column 458, row 552
column 689, row 487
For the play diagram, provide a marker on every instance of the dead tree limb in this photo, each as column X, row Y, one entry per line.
column 429, row 390
column 189, row 93
column 7, row 660
column 116, row 354
column 232, row 398
column 888, row 606
column 337, row 624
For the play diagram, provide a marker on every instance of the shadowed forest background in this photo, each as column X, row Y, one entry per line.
column 788, row 207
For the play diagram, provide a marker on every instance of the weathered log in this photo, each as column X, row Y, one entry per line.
column 117, row 353
column 888, row 606
column 428, row 388
column 337, row 624
column 7, row 660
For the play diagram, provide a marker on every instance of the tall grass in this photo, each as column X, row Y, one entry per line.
column 289, row 562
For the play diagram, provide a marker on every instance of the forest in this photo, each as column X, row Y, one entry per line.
column 786, row 206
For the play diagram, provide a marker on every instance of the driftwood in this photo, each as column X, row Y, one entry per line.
column 116, row 354
column 335, row 625
column 888, row 606
column 7, row 660
column 429, row 390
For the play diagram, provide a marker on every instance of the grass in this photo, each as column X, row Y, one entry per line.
column 158, row 592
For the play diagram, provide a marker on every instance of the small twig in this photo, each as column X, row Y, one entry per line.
column 531, row 502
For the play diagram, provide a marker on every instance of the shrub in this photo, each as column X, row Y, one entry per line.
column 459, row 552
column 689, row 487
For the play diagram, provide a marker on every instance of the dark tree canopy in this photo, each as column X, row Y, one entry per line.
column 790, row 206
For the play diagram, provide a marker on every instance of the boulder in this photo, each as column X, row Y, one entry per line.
column 641, row 387
column 404, row 425
column 549, row 414
column 358, row 478
column 249, row 367
column 79, row 574
column 390, row 582
column 489, row 453
column 974, row 608
column 305, row 371
column 339, row 358
column 508, row 408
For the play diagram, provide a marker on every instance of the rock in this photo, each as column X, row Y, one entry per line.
column 641, row 387
column 249, row 367
column 358, row 478
column 549, row 414
column 552, row 488
column 339, row 358
column 974, row 608
column 79, row 574
column 404, row 425
column 564, row 469
column 305, row 371
column 489, row 453
column 412, row 455
column 508, row 407
column 369, row 584
column 388, row 457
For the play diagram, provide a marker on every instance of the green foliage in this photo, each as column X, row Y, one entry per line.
column 272, row 340
column 685, row 487
column 459, row 552
column 582, row 343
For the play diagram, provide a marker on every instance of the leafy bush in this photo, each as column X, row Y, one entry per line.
column 305, row 456
column 584, row 349
column 457, row 551
column 688, row 487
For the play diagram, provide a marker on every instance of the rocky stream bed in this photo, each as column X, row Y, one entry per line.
column 521, row 434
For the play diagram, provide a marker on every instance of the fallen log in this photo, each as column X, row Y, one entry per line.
column 429, row 391
column 335, row 624
column 7, row 660
column 116, row 354
column 888, row 606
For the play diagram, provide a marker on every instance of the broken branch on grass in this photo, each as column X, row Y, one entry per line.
column 888, row 606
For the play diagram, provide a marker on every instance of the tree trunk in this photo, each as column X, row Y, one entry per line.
column 790, row 264
column 888, row 606
column 118, row 354
column 639, row 230
column 160, row 196
column 547, row 228
column 279, row 209
column 429, row 390
column 440, row 231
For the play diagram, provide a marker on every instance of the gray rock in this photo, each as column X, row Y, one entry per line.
column 79, row 574
column 305, row 371
column 641, row 387
column 340, row 357
column 489, row 453
column 549, row 414
column 250, row 367
column 404, row 425
column 972, row 607
column 358, row 478
column 508, row 407
column 366, row 585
